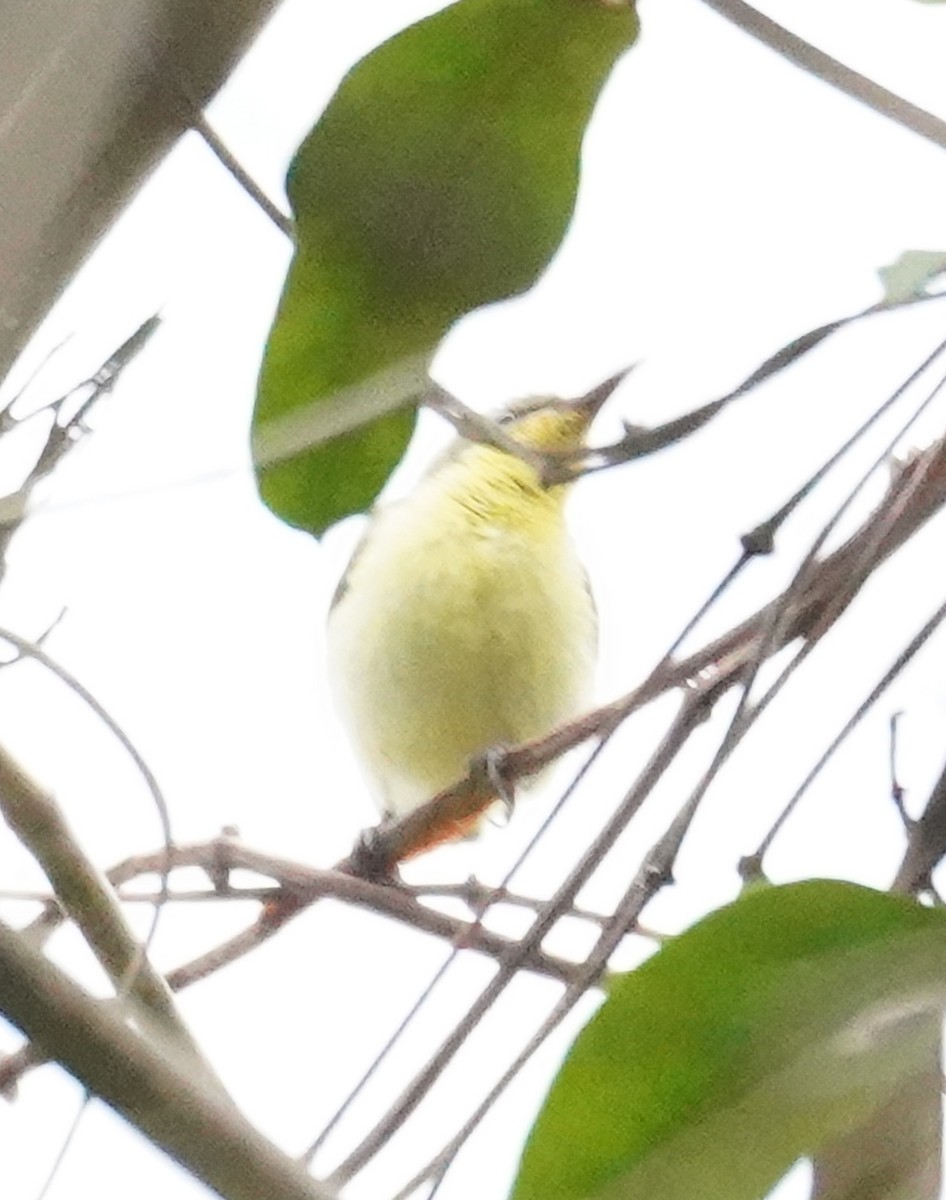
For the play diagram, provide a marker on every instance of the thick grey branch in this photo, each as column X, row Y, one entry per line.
column 149, row 1089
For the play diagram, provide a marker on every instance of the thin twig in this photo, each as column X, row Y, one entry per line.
column 28, row 649
column 897, row 790
column 266, row 894
column 476, row 896
column 181, row 94
column 926, row 844
column 654, row 873
column 731, row 651
column 398, row 840
column 63, row 435
column 7, row 420
column 80, row 890
column 764, row 533
column 691, row 714
column 460, row 942
column 464, row 937
column 885, row 519
column 298, row 886
column 65, row 1145
column 144, row 1083
column 640, row 442
column 232, row 164
column 752, row 867
column 41, row 826
column 471, row 893
column 861, row 567
column 907, row 485
column 478, row 427
column 722, row 681
column 731, row 654
column 815, row 62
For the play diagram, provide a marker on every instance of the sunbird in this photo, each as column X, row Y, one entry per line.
column 464, row 622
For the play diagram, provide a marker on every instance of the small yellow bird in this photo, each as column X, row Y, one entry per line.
column 464, row 621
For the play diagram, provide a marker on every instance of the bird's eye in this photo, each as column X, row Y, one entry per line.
column 523, row 408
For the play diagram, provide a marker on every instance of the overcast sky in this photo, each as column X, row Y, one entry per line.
column 729, row 203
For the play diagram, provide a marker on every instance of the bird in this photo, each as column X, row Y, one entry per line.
column 464, row 622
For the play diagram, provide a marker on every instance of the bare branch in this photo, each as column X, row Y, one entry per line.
column 926, row 844
column 897, row 791
column 691, row 714
column 148, row 1087
column 726, row 657
column 28, row 649
column 831, row 71
column 915, row 492
column 298, row 886
column 751, row 866
column 477, row 427
column 720, row 663
column 64, row 434
column 640, row 442
column 38, row 821
column 654, row 873
column 232, row 164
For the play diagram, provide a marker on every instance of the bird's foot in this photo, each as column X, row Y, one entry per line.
column 491, row 766
column 369, row 859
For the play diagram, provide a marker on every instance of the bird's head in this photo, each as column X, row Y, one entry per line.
column 549, row 424
column 491, row 481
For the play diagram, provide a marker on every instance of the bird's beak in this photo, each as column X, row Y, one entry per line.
column 592, row 402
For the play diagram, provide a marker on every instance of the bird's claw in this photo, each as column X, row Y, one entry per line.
column 492, row 764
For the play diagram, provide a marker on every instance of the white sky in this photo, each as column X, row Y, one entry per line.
column 729, row 203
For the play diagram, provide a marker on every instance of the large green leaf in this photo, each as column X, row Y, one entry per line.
column 441, row 177
column 766, row 1031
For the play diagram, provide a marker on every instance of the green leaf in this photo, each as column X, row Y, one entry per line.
column 441, row 177
column 771, row 1027
column 910, row 276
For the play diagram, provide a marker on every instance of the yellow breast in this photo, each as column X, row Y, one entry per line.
column 465, row 623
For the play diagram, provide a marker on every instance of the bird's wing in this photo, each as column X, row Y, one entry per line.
column 343, row 583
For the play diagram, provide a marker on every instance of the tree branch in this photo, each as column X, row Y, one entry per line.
column 826, row 594
column 298, row 887
column 691, row 714
column 149, row 1089
column 85, row 895
column 926, row 844
column 829, row 70
column 64, row 433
